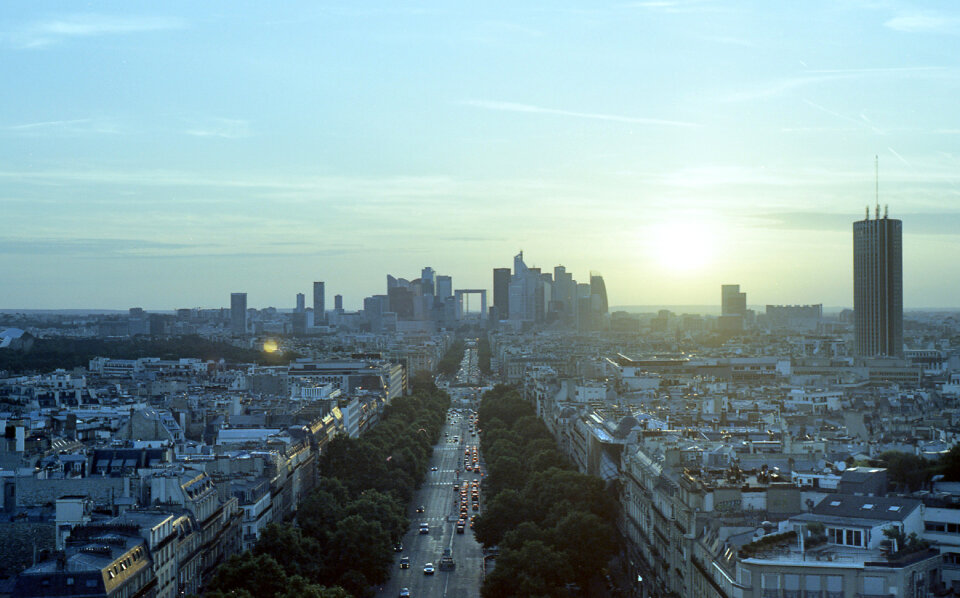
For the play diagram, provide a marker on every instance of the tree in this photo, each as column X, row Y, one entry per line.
column 905, row 471
column 533, row 570
column 380, row 507
column 586, row 542
column 362, row 546
column 296, row 553
column 260, row 575
column 503, row 513
column 949, row 464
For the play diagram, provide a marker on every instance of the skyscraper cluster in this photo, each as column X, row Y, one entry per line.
column 530, row 296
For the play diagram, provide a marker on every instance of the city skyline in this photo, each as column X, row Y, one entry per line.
column 206, row 149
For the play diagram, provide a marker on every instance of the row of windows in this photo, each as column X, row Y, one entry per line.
column 845, row 537
column 943, row 528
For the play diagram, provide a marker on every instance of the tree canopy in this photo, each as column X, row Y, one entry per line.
column 553, row 525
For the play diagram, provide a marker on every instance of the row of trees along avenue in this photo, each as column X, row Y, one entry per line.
column 450, row 362
column 341, row 543
column 553, row 525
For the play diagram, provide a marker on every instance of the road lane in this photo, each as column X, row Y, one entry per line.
column 442, row 508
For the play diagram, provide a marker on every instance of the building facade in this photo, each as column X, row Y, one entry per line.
column 878, row 286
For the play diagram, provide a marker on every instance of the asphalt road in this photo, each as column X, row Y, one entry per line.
column 441, row 513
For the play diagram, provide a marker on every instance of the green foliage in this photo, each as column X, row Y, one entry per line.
column 346, row 527
column 905, row 545
column 553, row 525
column 949, row 465
column 483, row 355
column 450, row 362
column 49, row 354
column 766, row 542
column 906, row 472
column 255, row 576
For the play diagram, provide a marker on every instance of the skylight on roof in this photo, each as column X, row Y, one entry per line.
column 867, row 506
column 834, row 503
column 894, row 508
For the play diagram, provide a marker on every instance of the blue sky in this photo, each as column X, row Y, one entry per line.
column 166, row 154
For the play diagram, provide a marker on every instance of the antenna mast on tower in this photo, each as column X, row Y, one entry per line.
column 876, row 183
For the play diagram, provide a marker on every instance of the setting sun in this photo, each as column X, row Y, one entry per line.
column 681, row 245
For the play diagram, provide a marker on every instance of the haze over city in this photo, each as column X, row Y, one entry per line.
column 166, row 155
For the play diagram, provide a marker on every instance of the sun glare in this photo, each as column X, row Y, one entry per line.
column 270, row 346
column 681, row 246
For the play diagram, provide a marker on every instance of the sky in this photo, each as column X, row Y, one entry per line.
column 167, row 154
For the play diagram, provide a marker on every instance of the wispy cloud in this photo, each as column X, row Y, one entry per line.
column 532, row 109
column 225, row 128
column 41, row 34
column 75, row 126
column 812, row 77
column 677, row 6
column 898, row 156
column 924, row 22
column 862, row 122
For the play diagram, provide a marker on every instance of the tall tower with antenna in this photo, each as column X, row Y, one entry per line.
column 878, row 282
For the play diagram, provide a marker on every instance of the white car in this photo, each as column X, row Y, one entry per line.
column 428, row 569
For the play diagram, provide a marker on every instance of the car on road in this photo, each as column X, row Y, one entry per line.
column 398, row 547
column 433, row 468
column 424, row 528
column 420, row 509
column 405, row 562
column 404, row 592
column 428, row 569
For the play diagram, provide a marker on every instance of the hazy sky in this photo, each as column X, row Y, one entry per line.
column 165, row 154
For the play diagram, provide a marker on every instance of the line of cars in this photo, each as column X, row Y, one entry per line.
column 468, row 498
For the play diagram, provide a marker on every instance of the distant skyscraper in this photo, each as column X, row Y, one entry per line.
column 319, row 304
column 338, row 302
column 238, row 313
column 444, row 287
column 301, row 303
column 878, row 285
column 599, row 289
column 427, row 280
column 501, row 292
column 732, row 301
column 733, row 309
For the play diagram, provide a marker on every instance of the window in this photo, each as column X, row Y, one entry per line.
column 834, row 583
column 873, row 585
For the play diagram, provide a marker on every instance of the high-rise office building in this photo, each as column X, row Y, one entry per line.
column 599, row 290
column 444, row 287
column 301, row 303
column 733, row 309
column 338, row 302
column 732, row 301
column 878, row 285
column 319, row 304
column 501, row 292
column 427, row 280
column 238, row 313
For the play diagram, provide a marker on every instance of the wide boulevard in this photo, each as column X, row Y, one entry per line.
column 441, row 511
